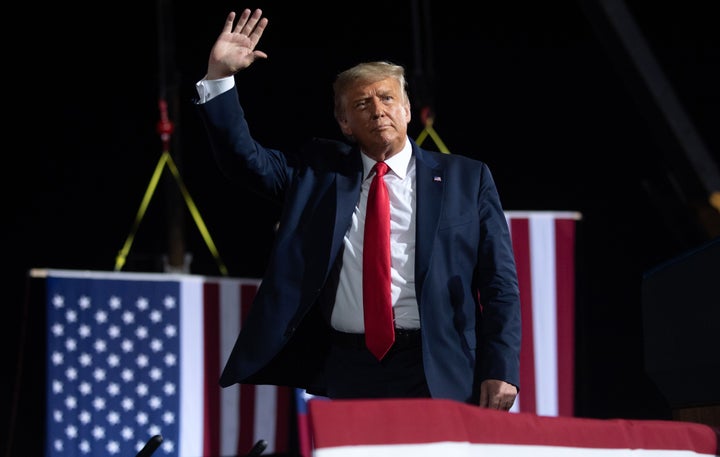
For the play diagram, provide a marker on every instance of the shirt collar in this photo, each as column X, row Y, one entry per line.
column 398, row 163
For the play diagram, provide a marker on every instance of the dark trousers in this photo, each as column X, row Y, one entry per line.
column 353, row 372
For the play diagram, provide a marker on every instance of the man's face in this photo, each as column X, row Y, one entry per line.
column 377, row 116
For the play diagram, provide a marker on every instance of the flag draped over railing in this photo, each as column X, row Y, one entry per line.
column 451, row 428
column 134, row 355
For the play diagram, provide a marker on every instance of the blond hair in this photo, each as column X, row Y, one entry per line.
column 367, row 73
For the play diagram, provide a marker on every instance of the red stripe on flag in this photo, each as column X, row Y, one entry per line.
column 211, row 329
column 247, row 391
column 304, row 432
column 520, row 233
column 247, row 295
column 565, row 277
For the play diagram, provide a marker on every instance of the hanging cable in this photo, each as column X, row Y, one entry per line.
column 165, row 128
column 427, row 121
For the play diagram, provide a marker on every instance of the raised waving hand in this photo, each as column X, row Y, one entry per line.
column 234, row 48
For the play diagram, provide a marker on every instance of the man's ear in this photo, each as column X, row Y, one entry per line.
column 344, row 126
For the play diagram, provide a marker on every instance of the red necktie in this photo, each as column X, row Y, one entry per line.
column 377, row 305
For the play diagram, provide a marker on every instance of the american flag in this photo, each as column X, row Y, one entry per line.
column 131, row 356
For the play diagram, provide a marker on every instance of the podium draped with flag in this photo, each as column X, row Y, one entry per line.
column 437, row 427
column 133, row 355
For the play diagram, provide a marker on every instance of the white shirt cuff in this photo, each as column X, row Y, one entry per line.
column 208, row 89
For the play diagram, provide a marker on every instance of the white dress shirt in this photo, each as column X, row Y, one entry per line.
column 347, row 313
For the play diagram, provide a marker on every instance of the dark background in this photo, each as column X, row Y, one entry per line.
column 538, row 90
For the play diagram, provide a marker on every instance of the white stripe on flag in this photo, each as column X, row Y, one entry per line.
column 490, row 450
column 265, row 416
column 544, row 299
column 191, row 357
column 230, row 396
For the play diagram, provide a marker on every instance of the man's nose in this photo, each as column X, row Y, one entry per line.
column 377, row 108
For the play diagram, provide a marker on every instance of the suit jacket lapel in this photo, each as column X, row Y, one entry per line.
column 430, row 186
column 347, row 186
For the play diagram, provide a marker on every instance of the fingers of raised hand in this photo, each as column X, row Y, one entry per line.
column 251, row 24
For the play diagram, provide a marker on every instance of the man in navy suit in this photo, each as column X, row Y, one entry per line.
column 455, row 298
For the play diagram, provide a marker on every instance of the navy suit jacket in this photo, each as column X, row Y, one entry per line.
column 466, row 281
